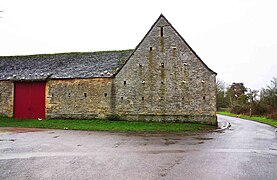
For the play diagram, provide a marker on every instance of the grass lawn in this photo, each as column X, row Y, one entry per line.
column 253, row 118
column 105, row 125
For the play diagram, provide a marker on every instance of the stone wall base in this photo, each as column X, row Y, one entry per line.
column 202, row 119
column 73, row 116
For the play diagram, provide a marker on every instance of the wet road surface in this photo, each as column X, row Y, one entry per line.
column 247, row 150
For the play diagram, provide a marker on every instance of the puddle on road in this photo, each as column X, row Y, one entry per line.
column 194, row 143
column 164, row 140
column 203, row 138
column 162, row 135
column 11, row 140
column 168, row 151
column 168, row 142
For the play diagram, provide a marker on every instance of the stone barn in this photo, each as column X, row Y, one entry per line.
column 162, row 79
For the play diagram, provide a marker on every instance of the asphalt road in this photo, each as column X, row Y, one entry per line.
column 247, row 150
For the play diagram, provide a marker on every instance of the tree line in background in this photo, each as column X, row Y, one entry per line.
column 239, row 99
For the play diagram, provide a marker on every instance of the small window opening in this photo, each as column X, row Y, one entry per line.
column 85, row 94
column 142, row 98
column 183, row 98
column 204, row 98
column 69, row 94
column 162, row 82
column 121, row 98
column 184, row 82
column 151, row 48
column 124, row 82
column 161, row 98
column 52, row 95
column 174, row 48
column 105, row 94
column 140, row 65
column 162, row 64
column 162, row 31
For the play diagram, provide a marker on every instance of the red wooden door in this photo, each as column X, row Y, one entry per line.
column 29, row 100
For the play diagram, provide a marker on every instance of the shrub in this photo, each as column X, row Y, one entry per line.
column 272, row 115
column 260, row 109
column 240, row 109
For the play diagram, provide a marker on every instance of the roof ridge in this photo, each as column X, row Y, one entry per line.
column 65, row 53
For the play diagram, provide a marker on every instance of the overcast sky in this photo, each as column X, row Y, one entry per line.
column 235, row 38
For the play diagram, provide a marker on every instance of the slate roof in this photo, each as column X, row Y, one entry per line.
column 62, row 66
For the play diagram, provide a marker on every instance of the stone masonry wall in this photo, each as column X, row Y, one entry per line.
column 6, row 98
column 78, row 98
column 165, row 81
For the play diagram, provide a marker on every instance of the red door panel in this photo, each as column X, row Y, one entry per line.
column 22, row 102
column 38, row 100
column 29, row 100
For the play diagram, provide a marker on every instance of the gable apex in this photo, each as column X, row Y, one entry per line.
column 162, row 17
column 162, row 22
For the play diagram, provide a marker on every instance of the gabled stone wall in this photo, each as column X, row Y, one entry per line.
column 78, row 98
column 6, row 98
column 164, row 80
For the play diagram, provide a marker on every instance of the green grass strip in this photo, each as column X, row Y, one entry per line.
column 253, row 118
column 105, row 125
